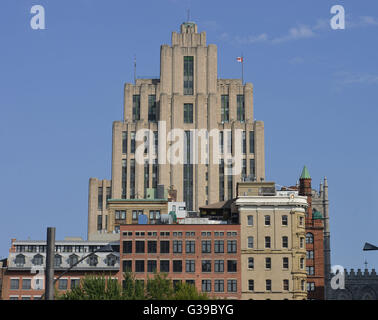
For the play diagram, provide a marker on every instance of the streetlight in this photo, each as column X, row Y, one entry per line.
column 369, row 247
column 106, row 248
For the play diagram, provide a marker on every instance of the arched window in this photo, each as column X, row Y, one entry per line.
column 20, row 260
column 57, row 260
column 37, row 260
column 93, row 260
column 309, row 237
column 73, row 259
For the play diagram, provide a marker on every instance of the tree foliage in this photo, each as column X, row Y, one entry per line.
column 158, row 287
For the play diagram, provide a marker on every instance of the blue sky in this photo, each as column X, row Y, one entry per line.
column 61, row 88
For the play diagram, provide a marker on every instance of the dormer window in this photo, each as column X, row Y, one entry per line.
column 20, row 260
column 73, row 259
column 38, row 260
column 111, row 260
column 57, row 260
column 93, row 260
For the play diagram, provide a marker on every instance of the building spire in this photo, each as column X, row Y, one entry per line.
column 305, row 174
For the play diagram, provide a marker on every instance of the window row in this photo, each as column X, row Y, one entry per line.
column 72, row 260
column 180, row 266
column 268, row 263
column 178, row 246
column 268, row 285
column 284, row 242
column 28, row 284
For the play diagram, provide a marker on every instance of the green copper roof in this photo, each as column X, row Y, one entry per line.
column 305, row 174
column 316, row 215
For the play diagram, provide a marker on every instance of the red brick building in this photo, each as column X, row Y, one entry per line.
column 206, row 255
column 314, row 240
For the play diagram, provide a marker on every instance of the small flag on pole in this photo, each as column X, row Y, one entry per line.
column 239, row 59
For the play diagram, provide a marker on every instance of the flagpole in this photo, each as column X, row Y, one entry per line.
column 242, row 69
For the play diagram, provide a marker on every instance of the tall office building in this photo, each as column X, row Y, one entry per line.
column 188, row 96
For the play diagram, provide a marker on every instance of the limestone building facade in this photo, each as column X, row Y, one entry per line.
column 273, row 249
column 187, row 96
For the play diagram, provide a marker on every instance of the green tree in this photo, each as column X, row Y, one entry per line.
column 186, row 291
column 159, row 288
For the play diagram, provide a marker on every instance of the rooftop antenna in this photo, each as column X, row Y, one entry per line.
column 366, row 264
column 134, row 69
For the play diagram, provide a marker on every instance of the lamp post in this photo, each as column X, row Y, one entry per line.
column 106, row 248
column 369, row 247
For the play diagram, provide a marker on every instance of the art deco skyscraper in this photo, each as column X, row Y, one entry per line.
column 188, row 96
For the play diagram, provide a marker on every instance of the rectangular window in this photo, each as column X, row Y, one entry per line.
column 251, row 142
column 164, row 266
column 139, row 265
column 136, row 107
column 139, row 247
column 310, row 254
column 251, row 263
column 310, row 270
column 63, row 283
column 268, row 263
column 188, row 75
column 100, row 198
column 99, row 222
column 206, row 285
column 206, row 246
column 75, row 283
column 152, row 246
column 132, row 178
column 127, row 246
column 146, row 177
column 219, row 266
column 284, row 220
column 267, row 242
column 251, row 285
column 230, row 179
column 231, row 265
column 132, row 142
column 267, row 220
column 177, row 246
column 177, row 265
column 151, row 266
column 224, row 108
column 126, row 265
column 250, row 220
column 221, row 180
column 285, row 242
column 14, row 284
column 244, row 168
column 231, row 246
column 219, row 285
column 240, row 107
column 231, row 285
column 268, row 285
column 244, row 143
column 206, row 265
column 252, row 171
column 221, row 142
column 219, row 246
column 124, row 142
column 152, row 109
column 188, row 113
column 190, row 266
column 124, row 178
column 154, row 173
column 164, row 246
column 286, row 285
column 188, row 173
column 285, row 263
column 190, row 246
column 250, row 242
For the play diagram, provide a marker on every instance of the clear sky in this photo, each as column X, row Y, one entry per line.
column 61, row 88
